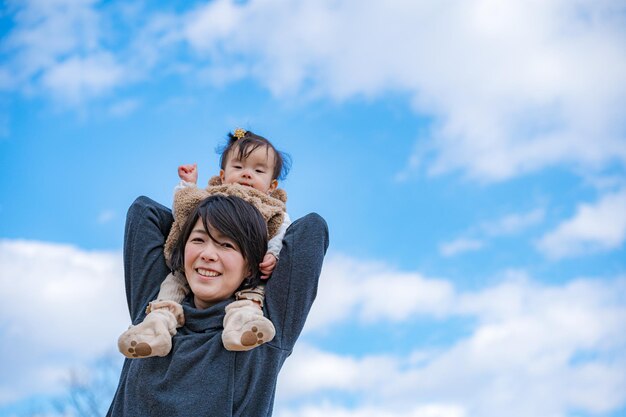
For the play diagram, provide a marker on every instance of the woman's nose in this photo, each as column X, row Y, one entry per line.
column 209, row 252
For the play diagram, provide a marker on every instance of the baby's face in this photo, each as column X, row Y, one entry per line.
column 255, row 171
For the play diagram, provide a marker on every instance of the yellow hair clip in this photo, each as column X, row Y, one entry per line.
column 239, row 133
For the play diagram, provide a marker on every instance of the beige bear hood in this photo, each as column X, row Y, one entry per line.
column 272, row 206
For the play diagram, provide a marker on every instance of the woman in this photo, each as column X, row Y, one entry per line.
column 218, row 251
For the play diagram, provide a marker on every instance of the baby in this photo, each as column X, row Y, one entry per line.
column 250, row 169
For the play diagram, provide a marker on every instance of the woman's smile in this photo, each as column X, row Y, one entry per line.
column 207, row 273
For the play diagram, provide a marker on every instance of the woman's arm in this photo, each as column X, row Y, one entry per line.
column 293, row 286
column 147, row 225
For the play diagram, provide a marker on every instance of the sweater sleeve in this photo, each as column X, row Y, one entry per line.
column 291, row 290
column 147, row 224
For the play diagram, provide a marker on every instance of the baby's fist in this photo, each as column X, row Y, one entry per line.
column 188, row 173
column 267, row 266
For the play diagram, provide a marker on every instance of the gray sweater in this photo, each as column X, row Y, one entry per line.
column 199, row 377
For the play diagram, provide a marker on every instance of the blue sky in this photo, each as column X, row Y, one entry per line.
column 469, row 157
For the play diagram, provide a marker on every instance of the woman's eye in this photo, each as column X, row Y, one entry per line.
column 227, row 245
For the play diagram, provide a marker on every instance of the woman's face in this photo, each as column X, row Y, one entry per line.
column 214, row 268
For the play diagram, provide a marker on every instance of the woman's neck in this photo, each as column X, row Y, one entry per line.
column 200, row 304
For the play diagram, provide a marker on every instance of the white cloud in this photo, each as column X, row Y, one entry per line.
column 316, row 370
column 106, row 216
column 350, row 290
column 460, row 245
column 328, row 410
column 61, row 306
column 535, row 349
column 78, row 78
column 212, row 22
column 594, row 227
column 513, row 223
column 58, row 47
column 512, row 87
column 124, row 108
column 46, row 30
column 507, row 225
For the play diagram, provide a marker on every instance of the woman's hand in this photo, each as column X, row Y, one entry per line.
column 188, row 173
column 267, row 266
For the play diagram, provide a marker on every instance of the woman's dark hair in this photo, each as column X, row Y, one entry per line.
column 247, row 144
column 234, row 218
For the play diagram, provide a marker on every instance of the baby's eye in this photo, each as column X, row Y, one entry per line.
column 260, row 171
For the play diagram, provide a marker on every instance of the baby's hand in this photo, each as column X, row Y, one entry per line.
column 268, row 265
column 188, row 173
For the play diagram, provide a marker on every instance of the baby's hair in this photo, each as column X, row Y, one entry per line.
column 247, row 144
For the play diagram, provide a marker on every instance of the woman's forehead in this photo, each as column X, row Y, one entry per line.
column 209, row 230
column 198, row 227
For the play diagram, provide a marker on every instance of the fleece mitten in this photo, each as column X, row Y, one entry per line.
column 153, row 336
column 245, row 327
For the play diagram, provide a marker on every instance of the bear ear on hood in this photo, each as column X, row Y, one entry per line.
column 185, row 201
column 279, row 194
column 215, row 180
